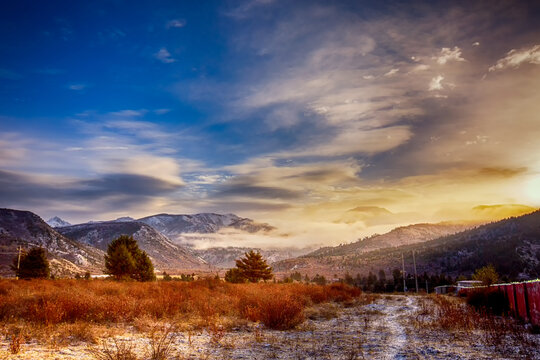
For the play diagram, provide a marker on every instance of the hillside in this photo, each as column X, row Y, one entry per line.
column 164, row 254
column 224, row 257
column 173, row 226
column 511, row 245
column 405, row 235
column 26, row 229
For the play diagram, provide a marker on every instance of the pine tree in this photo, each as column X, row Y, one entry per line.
column 145, row 268
column 33, row 264
column 125, row 260
column 253, row 267
column 235, row 276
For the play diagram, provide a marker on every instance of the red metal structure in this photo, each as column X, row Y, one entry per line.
column 523, row 299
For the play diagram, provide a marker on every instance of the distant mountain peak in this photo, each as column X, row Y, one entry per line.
column 174, row 226
column 57, row 222
column 124, row 219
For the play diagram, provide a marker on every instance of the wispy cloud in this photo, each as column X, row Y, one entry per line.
column 436, row 83
column 176, row 23
column 77, row 87
column 391, row 72
column 164, row 56
column 448, row 55
column 515, row 58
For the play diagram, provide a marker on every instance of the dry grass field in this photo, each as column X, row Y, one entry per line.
column 210, row 319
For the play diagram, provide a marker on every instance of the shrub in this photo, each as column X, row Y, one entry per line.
column 33, row 264
column 275, row 309
column 488, row 300
column 487, row 274
column 46, row 302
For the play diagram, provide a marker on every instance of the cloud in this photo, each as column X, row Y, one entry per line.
column 128, row 113
column 391, row 72
column 436, row 83
column 245, row 10
column 164, row 56
column 448, row 55
column 515, row 58
column 239, row 189
column 162, row 111
column 420, row 67
column 77, row 87
column 176, row 23
column 26, row 189
column 476, row 43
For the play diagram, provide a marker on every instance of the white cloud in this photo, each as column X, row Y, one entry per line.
column 476, row 43
column 128, row 113
column 420, row 67
column 176, row 23
column 164, row 56
column 162, row 111
column 391, row 72
column 514, row 58
column 436, row 83
column 448, row 55
column 77, row 87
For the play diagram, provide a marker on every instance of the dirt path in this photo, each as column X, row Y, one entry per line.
column 394, row 317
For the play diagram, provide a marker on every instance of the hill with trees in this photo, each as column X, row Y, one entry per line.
column 511, row 245
column 161, row 250
column 27, row 230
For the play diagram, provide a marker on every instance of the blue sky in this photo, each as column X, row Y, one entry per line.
column 315, row 116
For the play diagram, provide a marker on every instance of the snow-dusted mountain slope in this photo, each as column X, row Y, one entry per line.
column 225, row 257
column 57, row 222
column 164, row 254
column 26, row 229
column 174, row 225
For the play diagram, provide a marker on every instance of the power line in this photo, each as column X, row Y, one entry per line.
column 415, row 274
column 403, row 267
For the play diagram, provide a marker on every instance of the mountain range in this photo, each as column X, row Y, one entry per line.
column 81, row 247
column 403, row 235
column 511, row 245
column 164, row 254
column 26, row 229
column 174, row 226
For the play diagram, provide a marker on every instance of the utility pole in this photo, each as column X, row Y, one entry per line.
column 415, row 274
column 18, row 262
column 403, row 271
column 427, row 289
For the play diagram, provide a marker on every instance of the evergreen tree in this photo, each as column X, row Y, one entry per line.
column 125, row 260
column 145, row 268
column 33, row 264
column 253, row 267
column 235, row 276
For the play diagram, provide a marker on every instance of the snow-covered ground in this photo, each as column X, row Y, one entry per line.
column 386, row 329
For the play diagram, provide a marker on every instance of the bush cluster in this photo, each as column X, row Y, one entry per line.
column 488, row 300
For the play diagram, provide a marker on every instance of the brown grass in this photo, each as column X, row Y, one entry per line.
column 48, row 303
column 455, row 316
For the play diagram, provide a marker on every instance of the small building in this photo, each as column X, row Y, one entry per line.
column 467, row 284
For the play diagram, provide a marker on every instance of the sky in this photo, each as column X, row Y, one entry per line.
column 330, row 120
